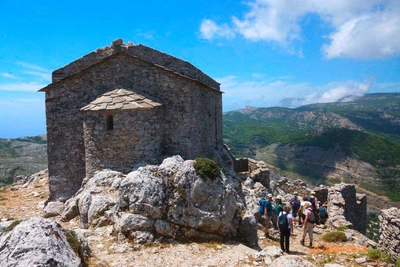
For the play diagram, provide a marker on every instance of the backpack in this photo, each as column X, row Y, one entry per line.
column 262, row 203
column 313, row 201
column 323, row 213
column 282, row 221
column 294, row 202
column 313, row 218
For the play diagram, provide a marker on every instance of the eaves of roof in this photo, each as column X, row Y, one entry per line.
column 54, row 84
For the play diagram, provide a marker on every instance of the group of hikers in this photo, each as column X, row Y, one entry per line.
column 307, row 210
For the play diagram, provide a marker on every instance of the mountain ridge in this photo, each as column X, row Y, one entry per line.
column 356, row 141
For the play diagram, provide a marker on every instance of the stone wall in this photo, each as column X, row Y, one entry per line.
column 192, row 124
column 347, row 208
column 257, row 171
column 299, row 186
column 137, row 136
column 146, row 53
column 390, row 231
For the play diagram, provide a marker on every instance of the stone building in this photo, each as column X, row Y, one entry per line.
column 126, row 104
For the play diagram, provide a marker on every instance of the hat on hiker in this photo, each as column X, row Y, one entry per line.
column 313, row 193
column 295, row 193
column 269, row 195
column 278, row 197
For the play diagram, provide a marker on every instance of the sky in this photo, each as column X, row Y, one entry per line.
column 264, row 53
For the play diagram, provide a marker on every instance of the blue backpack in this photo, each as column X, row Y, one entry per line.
column 263, row 204
column 323, row 213
column 282, row 221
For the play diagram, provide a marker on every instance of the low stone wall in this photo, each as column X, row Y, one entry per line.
column 255, row 170
column 347, row 208
column 390, row 231
column 300, row 186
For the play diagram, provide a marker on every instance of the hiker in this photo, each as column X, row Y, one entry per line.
column 302, row 210
column 295, row 204
column 266, row 211
column 314, row 201
column 285, row 222
column 314, row 206
column 309, row 221
column 323, row 214
column 279, row 204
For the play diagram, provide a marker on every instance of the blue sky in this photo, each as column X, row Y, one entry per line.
column 261, row 51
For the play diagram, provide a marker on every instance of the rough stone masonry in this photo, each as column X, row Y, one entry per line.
column 124, row 105
column 390, row 231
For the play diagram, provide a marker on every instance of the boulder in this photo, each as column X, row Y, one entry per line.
column 37, row 242
column 167, row 200
column 291, row 260
column 53, row 209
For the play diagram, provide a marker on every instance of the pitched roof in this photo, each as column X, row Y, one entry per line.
column 120, row 99
column 152, row 56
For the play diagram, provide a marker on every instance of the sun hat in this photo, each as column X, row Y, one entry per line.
column 313, row 193
column 269, row 195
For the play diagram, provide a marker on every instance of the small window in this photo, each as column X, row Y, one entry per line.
column 109, row 123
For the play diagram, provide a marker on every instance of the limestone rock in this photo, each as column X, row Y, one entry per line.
column 37, row 242
column 53, row 209
column 291, row 260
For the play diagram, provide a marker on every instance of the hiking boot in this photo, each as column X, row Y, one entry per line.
column 310, row 244
column 302, row 242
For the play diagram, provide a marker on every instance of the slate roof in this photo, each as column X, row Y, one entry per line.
column 120, row 99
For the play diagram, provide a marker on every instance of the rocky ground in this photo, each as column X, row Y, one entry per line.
column 23, row 202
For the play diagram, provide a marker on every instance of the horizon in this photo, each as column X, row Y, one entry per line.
column 264, row 53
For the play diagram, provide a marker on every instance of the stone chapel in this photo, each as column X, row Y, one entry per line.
column 123, row 105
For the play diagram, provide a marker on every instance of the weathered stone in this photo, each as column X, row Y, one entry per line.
column 53, row 209
column 389, row 231
column 33, row 243
column 291, row 260
column 347, row 208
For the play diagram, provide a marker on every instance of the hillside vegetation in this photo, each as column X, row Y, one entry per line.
column 22, row 156
column 356, row 142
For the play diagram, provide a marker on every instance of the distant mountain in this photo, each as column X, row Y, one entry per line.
column 352, row 141
column 22, row 156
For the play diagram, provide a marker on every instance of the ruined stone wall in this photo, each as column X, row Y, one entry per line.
column 167, row 61
column 137, row 136
column 390, row 231
column 347, row 208
column 192, row 112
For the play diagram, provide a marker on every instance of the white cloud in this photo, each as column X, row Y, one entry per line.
column 42, row 75
column 370, row 36
column 32, row 66
column 360, row 28
column 7, row 75
column 210, row 30
column 22, row 86
column 283, row 92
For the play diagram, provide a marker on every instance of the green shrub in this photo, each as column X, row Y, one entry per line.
column 385, row 256
column 335, row 237
column 73, row 241
column 206, row 168
column 397, row 264
column 373, row 253
column 342, row 228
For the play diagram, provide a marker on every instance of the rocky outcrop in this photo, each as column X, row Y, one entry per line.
column 38, row 242
column 347, row 208
column 168, row 200
column 390, row 231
